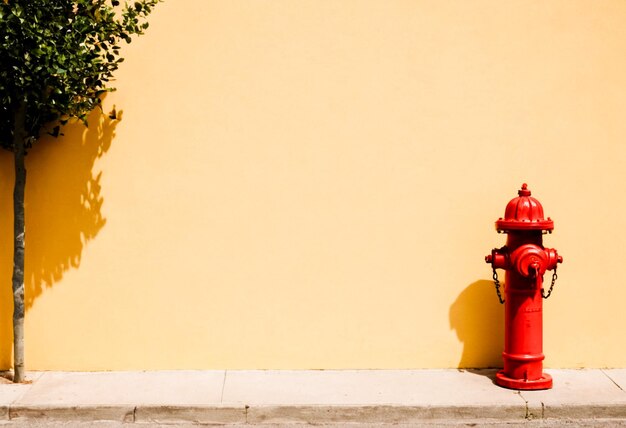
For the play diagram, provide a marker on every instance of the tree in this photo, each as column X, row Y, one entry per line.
column 57, row 58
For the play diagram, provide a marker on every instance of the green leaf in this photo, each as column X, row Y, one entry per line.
column 60, row 55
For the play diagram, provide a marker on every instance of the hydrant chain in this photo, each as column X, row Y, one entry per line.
column 497, row 284
column 554, row 277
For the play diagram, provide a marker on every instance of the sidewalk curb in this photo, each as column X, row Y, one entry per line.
column 72, row 413
column 583, row 411
column 213, row 415
column 378, row 413
column 306, row 414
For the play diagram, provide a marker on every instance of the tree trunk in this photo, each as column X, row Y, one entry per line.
column 19, row 137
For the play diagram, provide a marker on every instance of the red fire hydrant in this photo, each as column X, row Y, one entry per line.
column 525, row 261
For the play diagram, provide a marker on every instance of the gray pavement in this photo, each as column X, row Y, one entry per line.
column 276, row 398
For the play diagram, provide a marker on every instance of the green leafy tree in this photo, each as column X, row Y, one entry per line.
column 57, row 58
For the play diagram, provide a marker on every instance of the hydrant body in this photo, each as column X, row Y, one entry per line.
column 525, row 261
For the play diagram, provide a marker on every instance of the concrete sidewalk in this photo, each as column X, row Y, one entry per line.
column 366, row 396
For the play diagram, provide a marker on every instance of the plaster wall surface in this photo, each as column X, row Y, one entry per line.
column 314, row 184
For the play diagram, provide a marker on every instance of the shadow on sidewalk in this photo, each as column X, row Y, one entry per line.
column 488, row 373
column 478, row 319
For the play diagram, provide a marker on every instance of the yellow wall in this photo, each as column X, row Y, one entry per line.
column 313, row 184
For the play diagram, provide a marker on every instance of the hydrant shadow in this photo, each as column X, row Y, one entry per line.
column 478, row 319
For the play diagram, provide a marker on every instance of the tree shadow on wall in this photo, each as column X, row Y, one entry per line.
column 63, row 203
column 478, row 318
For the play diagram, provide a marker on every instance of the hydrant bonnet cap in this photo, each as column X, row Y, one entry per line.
column 524, row 213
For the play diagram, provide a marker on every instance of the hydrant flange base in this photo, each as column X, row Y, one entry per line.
column 545, row 382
